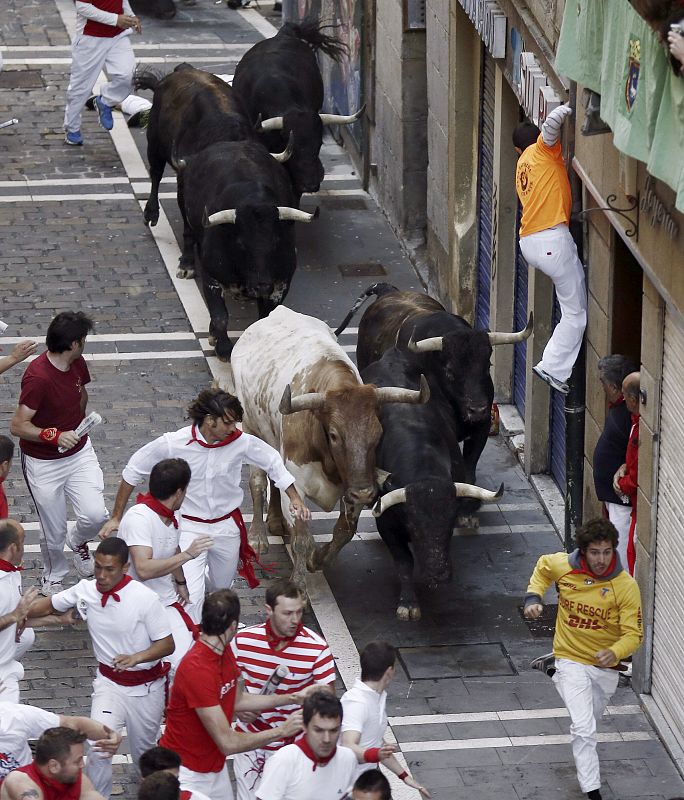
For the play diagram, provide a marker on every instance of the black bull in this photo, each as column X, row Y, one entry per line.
column 456, row 356
column 239, row 209
column 420, row 451
column 280, row 84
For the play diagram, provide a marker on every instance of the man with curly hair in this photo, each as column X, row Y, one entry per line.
column 599, row 624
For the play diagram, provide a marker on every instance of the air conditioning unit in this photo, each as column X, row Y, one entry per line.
column 548, row 100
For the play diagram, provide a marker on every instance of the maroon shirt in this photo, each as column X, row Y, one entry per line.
column 55, row 396
column 4, row 508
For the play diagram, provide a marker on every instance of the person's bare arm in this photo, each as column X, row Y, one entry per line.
column 88, row 791
column 122, row 497
column 20, row 613
column 351, row 740
column 41, row 607
column 105, row 739
column 18, row 786
column 230, row 742
column 157, row 650
column 147, row 567
column 19, row 352
column 21, row 426
column 256, row 703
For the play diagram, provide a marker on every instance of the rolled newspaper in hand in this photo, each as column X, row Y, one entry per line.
column 3, row 326
column 275, row 679
column 87, row 424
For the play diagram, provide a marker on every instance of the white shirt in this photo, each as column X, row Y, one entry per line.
column 18, row 723
column 126, row 627
column 364, row 712
column 142, row 526
column 214, row 488
column 10, row 595
column 289, row 775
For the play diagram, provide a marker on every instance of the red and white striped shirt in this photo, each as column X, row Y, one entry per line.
column 307, row 656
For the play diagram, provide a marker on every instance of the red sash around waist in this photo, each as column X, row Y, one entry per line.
column 189, row 624
column 135, row 677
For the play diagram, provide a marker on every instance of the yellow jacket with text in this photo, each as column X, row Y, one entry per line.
column 594, row 612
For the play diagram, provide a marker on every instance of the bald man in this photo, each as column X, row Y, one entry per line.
column 626, row 480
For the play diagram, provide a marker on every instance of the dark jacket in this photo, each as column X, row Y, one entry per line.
column 611, row 450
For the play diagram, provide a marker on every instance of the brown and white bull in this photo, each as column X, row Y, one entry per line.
column 303, row 395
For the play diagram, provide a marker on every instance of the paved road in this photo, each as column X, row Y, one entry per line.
column 472, row 720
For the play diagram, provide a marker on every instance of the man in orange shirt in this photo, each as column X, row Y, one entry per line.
column 544, row 192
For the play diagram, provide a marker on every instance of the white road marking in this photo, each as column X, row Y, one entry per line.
column 165, row 59
column 240, row 49
column 116, row 337
column 261, row 24
column 504, row 716
column 519, row 741
column 136, row 356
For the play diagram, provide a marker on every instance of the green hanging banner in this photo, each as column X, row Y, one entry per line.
column 607, row 47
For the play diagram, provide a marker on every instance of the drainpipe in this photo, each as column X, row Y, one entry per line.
column 575, row 399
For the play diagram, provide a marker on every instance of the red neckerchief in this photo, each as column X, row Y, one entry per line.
column 230, row 438
column 584, row 567
column 5, row 566
column 52, row 789
column 303, row 745
column 620, row 401
column 157, row 506
column 113, row 591
column 274, row 640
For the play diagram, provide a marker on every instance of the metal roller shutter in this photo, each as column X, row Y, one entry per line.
column 485, row 188
column 557, row 432
column 668, row 620
column 519, row 322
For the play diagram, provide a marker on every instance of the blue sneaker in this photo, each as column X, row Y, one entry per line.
column 104, row 112
column 73, row 138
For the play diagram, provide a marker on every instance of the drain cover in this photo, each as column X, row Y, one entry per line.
column 545, row 626
column 367, row 270
column 21, row 79
column 488, row 659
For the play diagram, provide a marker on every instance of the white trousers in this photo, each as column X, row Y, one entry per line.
column 249, row 769
column 89, row 55
column 215, row 785
column 113, row 706
column 77, row 478
column 621, row 516
column 11, row 668
column 216, row 567
column 553, row 251
column 585, row 690
column 182, row 637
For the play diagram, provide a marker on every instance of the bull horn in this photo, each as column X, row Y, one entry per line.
column 281, row 158
column 388, row 500
column 270, row 124
column 396, row 394
column 285, row 214
column 469, row 490
column 433, row 344
column 511, row 338
column 219, row 217
column 304, row 402
column 342, row 119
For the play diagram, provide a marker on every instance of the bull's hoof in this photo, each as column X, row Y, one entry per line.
column 408, row 613
column 151, row 217
column 258, row 540
column 277, row 527
column 212, row 341
column 468, row 521
column 185, row 273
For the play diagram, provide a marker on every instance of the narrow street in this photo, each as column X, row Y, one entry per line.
column 472, row 720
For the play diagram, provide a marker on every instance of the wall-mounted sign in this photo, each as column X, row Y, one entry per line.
column 490, row 22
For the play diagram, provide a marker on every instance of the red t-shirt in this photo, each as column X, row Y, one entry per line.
column 55, row 396
column 203, row 679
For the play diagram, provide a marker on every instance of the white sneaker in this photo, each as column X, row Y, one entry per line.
column 48, row 588
column 83, row 561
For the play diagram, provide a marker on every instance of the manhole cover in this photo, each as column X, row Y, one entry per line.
column 367, row 270
column 21, row 79
column 545, row 626
column 456, row 661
